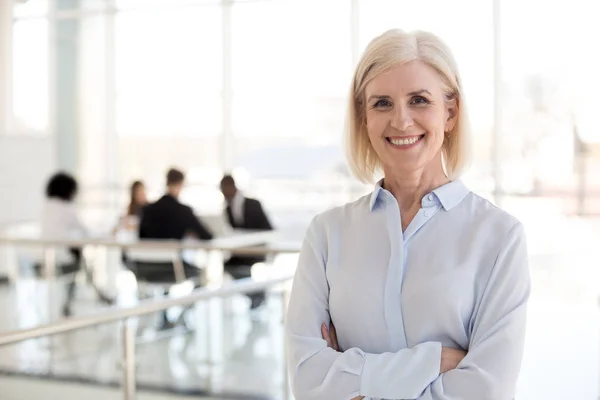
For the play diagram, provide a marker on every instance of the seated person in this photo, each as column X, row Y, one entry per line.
column 129, row 223
column 137, row 202
column 60, row 221
column 168, row 219
column 243, row 213
column 137, row 199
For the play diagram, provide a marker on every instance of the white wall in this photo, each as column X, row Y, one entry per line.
column 25, row 165
column 5, row 63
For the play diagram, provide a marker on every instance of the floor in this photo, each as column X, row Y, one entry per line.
column 19, row 388
column 244, row 356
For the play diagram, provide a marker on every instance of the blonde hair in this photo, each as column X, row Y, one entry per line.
column 390, row 49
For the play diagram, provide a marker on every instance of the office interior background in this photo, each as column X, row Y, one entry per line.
column 119, row 90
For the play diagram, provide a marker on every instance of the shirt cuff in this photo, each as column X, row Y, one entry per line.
column 402, row 375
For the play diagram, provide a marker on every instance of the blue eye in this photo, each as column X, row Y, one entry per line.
column 382, row 103
column 419, row 100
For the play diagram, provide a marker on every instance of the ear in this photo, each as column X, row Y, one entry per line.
column 452, row 114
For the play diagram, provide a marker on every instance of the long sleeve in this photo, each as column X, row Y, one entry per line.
column 320, row 373
column 263, row 220
column 491, row 367
column 198, row 227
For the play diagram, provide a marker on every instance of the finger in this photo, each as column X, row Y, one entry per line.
column 325, row 334
column 334, row 339
column 324, row 331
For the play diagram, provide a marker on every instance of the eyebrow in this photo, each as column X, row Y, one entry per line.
column 383, row 96
column 418, row 92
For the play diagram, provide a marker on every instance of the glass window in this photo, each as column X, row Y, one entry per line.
column 291, row 67
column 169, row 72
column 550, row 85
column 168, row 93
column 85, row 5
column 92, row 98
column 128, row 4
column 289, row 80
column 30, row 68
column 29, row 9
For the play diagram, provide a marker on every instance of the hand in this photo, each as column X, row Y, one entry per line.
column 451, row 358
column 330, row 336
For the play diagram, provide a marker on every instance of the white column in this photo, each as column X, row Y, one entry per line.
column 497, row 128
column 8, row 267
column 6, row 14
column 227, row 139
column 65, row 70
column 52, row 89
column 112, row 142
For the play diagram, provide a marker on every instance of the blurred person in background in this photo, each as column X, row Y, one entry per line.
column 419, row 289
column 243, row 213
column 60, row 220
column 167, row 218
column 137, row 201
column 130, row 222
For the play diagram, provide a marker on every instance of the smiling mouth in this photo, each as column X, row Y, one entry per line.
column 403, row 142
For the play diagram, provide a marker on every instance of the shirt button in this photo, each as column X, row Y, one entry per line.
column 430, row 197
column 426, row 214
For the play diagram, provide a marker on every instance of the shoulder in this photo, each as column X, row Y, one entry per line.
column 482, row 212
column 149, row 207
column 185, row 208
column 487, row 228
column 54, row 206
column 251, row 202
column 340, row 216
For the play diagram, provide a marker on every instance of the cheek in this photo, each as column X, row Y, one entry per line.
column 434, row 123
column 375, row 125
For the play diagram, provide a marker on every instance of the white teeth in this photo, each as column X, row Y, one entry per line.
column 404, row 142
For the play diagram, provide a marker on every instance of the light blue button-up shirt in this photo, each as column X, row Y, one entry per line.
column 456, row 277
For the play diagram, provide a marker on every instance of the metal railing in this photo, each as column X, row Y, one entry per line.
column 243, row 243
column 248, row 243
column 145, row 308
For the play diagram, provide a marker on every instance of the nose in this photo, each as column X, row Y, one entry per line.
column 401, row 119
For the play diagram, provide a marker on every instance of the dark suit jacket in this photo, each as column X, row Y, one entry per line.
column 254, row 216
column 169, row 219
column 254, row 219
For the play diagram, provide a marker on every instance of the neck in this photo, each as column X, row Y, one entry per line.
column 410, row 188
column 173, row 192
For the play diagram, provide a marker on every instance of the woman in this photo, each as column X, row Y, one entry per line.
column 419, row 289
column 60, row 221
column 137, row 199
column 129, row 223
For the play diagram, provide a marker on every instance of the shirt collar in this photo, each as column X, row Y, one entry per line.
column 238, row 197
column 449, row 194
column 375, row 194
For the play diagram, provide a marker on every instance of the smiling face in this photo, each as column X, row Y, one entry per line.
column 407, row 113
